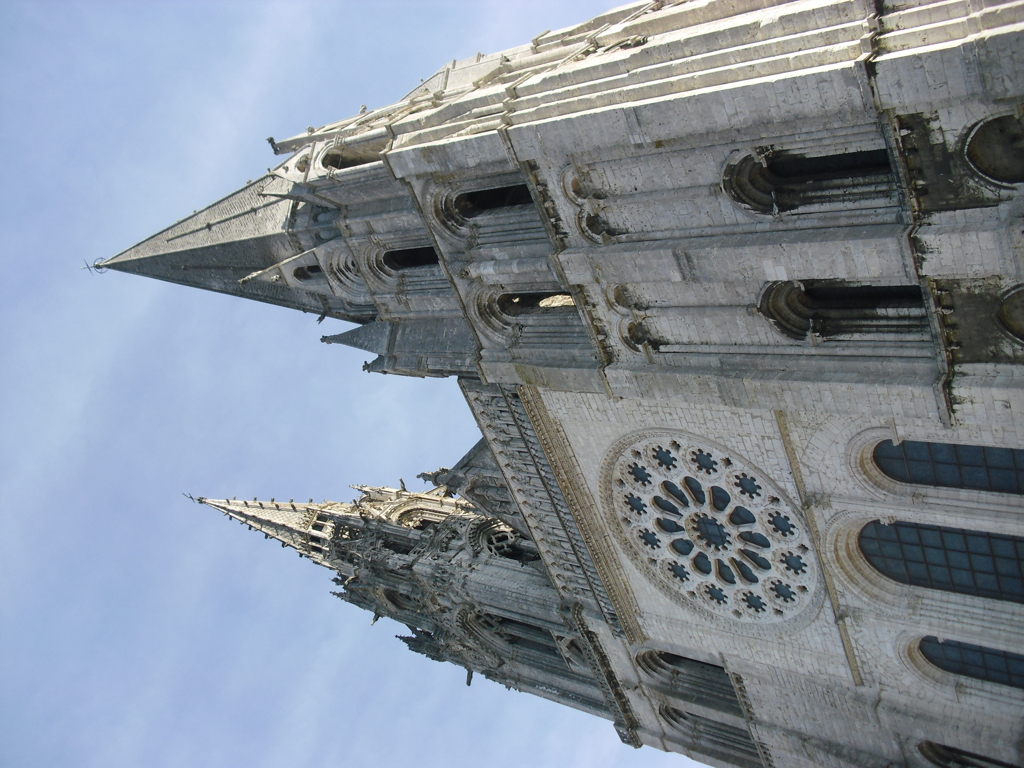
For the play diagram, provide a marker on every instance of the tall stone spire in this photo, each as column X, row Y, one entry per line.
column 245, row 235
column 307, row 528
column 469, row 588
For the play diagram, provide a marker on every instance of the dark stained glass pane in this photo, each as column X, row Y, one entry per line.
column 914, row 571
column 942, row 453
column 975, row 477
column 978, row 467
column 1003, row 480
column 999, row 457
column 922, row 473
column 975, row 661
column 968, row 562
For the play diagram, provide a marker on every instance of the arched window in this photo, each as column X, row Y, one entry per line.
column 401, row 601
column 307, row 273
column 515, row 304
column 776, row 182
column 951, row 559
column 469, row 205
column 709, row 737
column 831, row 308
column 695, row 681
column 978, row 467
column 520, row 635
column 407, row 258
column 975, row 661
column 348, row 156
column 951, row 757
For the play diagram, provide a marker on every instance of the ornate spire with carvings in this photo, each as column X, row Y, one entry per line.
column 308, row 528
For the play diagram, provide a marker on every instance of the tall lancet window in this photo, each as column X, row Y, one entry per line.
column 974, row 661
column 835, row 309
column 977, row 467
column 472, row 204
column 951, row 559
column 517, row 304
column 410, row 258
column 773, row 182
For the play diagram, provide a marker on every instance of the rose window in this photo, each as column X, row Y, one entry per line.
column 710, row 528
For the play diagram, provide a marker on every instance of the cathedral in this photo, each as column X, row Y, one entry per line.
column 735, row 292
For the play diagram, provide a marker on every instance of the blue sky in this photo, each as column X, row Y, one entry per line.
column 139, row 629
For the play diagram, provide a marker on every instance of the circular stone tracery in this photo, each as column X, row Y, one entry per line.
column 709, row 528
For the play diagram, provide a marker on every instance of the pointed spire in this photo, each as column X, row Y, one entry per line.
column 331, row 533
column 307, row 528
column 243, row 235
column 216, row 247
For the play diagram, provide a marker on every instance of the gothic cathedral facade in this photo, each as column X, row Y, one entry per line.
column 735, row 291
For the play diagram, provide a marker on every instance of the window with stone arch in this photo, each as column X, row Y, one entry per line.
column 772, row 182
column 512, row 634
column 948, row 465
column 979, row 662
column 697, row 682
column 967, row 562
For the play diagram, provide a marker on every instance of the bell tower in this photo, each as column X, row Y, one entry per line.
column 470, row 588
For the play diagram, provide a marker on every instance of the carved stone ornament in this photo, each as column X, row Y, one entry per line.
column 709, row 528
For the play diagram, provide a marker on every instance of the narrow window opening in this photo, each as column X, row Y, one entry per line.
column 318, row 526
column 339, row 158
column 401, row 601
column 977, row 467
column 830, row 308
column 782, row 181
column 845, row 166
column 515, row 304
column 695, row 681
column 949, row 559
column 307, row 273
column 974, row 661
column 408, row 258
column 709, row 737
column 524, row 635
column 469, row 205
